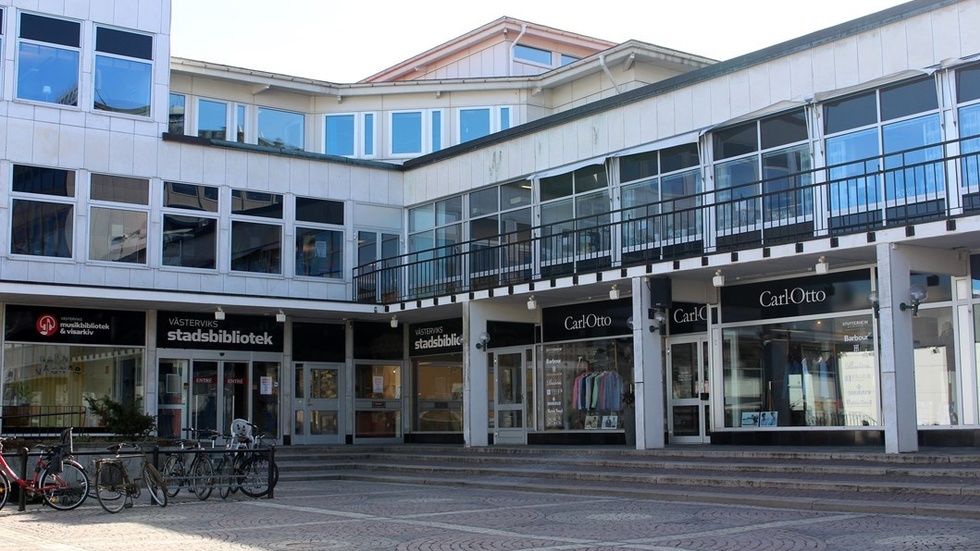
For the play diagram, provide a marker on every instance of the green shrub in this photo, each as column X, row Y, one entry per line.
column 123, row 419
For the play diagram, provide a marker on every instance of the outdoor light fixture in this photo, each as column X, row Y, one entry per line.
column 484, row 339
column 219, row 314
column 917, row 294
column 822, row 267
column 394, row 322
column 614, row 292
column 873, row 301
column 659, row 321
column 629, row 323
column 531, row 303
column 719, row 279
column 281, row 317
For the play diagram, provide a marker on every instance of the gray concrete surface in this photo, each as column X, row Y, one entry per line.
column 350, row 515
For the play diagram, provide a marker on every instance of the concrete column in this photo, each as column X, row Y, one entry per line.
column 648, row 378
column 896, row 350
column 475, row 381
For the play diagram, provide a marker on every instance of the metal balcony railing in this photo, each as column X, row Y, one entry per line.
column 929, row 183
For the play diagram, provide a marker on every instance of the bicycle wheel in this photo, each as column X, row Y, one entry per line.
column 154, row 483
column 254, row 476
column 110, row 486
column 4, row 489
column 173, row 475
column 226, row 478
column 202, row 477
column 67, row 489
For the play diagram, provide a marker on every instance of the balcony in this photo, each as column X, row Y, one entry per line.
column 927, row 184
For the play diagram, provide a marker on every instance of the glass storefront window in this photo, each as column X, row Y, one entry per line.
column 820, row 372
column 46, row 385
column 584, row 383
column 438, row 405
column 936, row 389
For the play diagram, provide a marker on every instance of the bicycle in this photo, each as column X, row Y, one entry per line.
column 198, row 474
column 244, row 465
column 58, row 479
column 115, row 489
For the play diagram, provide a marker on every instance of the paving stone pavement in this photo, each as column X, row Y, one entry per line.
column 351, row 515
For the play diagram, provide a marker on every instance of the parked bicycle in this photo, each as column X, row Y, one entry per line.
column 58, row 479
column 115, row 489
column 198, row 473
column 245, row 465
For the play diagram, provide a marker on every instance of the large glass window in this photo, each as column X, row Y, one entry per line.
column 48, row 59
column 212, row 119
column 189, row 241
column 438, row 396
column 256, row 247
column 534, row 55
column 406, row 133
column 575, row 215
column 123, row 71
column 283, row 129
column 435, row 229
column 118, row 234
column 968, row 94
column 320, row 250
column 815, row 373
column 477, row 122
column 584, row 384
column 339, row 138
column 42, row 227
column 937, row 392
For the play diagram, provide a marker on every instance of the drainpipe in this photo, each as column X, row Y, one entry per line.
column 510, row 68
column 602, row 63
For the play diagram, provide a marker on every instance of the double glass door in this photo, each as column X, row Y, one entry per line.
column 317, row 403
column 688, row 391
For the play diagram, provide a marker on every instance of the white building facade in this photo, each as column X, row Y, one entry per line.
column 520, row 236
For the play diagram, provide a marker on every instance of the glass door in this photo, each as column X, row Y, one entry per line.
column 378, row 403
column 510, row 398
column 687, row 395
column 317, row 412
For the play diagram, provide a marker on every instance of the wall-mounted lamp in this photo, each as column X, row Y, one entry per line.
column 532, row 304
column 719, row 279
column 873, row 301
column 394, row 322
column 659, row 321
column 219, row 314
column 281, row 316
column 484, row 338
column 917, row 294
column 821, row 266
column 614, row 292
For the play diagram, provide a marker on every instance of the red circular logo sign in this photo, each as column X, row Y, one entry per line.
column 47, row 325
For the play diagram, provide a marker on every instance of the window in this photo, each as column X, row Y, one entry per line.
column 118, row 219
column 42, row 227
column 566, row 59
column 877, row 182
column 372, row 247
column 47, row 60
column 369, row 132
column 967, row 94
column 212, row 119
column 500, row 234
column 575, row 214
column 177, row 114
column 189, row 241
column 123, row 71
column 339, row 139
column 435, row 229
column 256, row 247
column 240, row 122
column 767, row 159
column 282, row 129
column 416, row 132
column 480, row 121
column 534, row 55
column 320, row 248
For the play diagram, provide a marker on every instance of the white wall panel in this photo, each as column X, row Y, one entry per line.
column 122, row 153
column 145, row 156
column 192, row 164
column 71, row 147
column 97, row 150
column 921, row 42
column 215, row 170
column 869, row 56
column 20, row 149
column 895, row 56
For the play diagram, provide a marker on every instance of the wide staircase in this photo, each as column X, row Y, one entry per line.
column 938, row 481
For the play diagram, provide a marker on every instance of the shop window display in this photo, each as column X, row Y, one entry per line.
column 584, row 384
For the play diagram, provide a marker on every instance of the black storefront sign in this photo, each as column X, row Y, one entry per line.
column 437, row 337
column 318, row 342
column 40, row 324
column 802, row 296
column 591, row 320
column 377, row 341
column 504, row 334
column 200, row 331
column 685, row 318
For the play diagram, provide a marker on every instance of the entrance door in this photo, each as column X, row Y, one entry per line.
column 510, row 397
column 317, row 412
column 378, row 403
column 219, row 393
column 687, row 394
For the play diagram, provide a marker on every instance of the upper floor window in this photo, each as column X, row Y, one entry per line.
column 660, row 197
column 534, row 55
column 575, row 214
column 48, row 59
column 565, row 59
column 416, row 132
column 256, row 246
column 123, row 71
column 118, row 219
column 212, row 119
column 319, row 238
column 282, row 129
column 967, row 95
column 477, row 122
column 239, row 123
column 178, row 112
column 42, row 214
column 190, row 240
column 349, row 135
